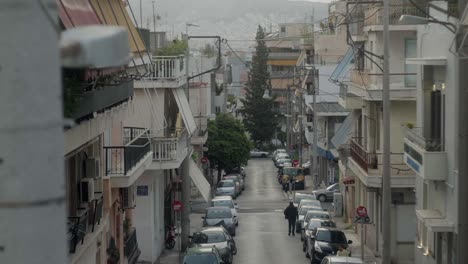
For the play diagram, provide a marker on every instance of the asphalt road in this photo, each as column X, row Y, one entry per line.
column 262, row 235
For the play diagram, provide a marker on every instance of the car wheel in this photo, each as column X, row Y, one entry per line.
column 322, row 198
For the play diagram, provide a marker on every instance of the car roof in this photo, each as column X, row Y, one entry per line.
column 329, row 229
column 212, row 229
column 350, row 260
column 222, row 198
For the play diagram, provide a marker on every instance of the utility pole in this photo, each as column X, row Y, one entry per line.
column 186, row 181
column 31, row 136
column 386, row 187
column 314, row 162
column 288, row 120
column 154, row 29
column 301, row 130
column 141, row 15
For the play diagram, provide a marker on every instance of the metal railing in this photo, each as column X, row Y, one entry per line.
column 365, row 78
column 167, row 67
column 372, row 162
column 170, row 147
column 121, row 159
column 98, row 209
column 131, row 250
column 130, row 133
column 374, row 15
column 416, row 135
column 77, row 228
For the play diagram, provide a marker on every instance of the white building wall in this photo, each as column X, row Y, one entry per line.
column 148, row 109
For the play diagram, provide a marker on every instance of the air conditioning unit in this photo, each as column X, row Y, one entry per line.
column 87, row 189
column 92, row 168
column 127, row 196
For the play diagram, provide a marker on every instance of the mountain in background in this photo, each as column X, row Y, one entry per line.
column 231, row 19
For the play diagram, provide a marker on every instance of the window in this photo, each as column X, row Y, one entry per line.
column 410, row 70
column 283, row 29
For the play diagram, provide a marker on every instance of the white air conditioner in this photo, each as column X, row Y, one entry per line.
column 87, row 189
column 92, row 168
column 127, row 196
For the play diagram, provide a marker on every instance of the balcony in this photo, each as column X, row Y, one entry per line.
column 96, row 100
column 369, row 167
column 166, row 72
column 283, row 55
column 369, row 85
column 169, row 151
column 125, row 164
column 425, row 156
column 131, row 250
column 201, row 136
column 84, row 222
column 374, row 15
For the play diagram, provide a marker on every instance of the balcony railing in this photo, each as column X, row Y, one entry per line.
column 374, row 15
column 121, row 159
column 167, row 67
column 170, row 147
column 366, row 79
column 372, row 162
column 84, row 222
column 131, row 250
column 130, row 133
column 415, row 135
column 77, row 228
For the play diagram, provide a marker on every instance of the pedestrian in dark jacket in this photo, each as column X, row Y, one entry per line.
column 291, row 214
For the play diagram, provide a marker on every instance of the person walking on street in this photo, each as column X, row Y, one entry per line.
column 292, row 215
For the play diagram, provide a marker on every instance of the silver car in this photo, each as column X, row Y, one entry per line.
column 239, row 176
column 226, row 187
column 327, row 194
column 237, row 181
column 220, row 216
column 228, row 202
column 255, row 153
column 216, row 237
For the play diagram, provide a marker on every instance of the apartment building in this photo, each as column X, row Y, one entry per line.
column 430, row 144
column 124, row 155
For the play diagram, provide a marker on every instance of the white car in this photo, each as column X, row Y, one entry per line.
column 228, row 202
column 341, row 260
column 255, row 153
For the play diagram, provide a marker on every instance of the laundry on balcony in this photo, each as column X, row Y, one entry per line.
column 200, row 181
column 184, row 109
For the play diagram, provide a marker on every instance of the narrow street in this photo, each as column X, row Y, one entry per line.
column 262, row 235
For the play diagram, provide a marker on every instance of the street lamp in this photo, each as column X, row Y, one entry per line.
column 417, row 20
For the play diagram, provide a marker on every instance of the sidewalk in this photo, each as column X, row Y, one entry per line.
column 348, row 229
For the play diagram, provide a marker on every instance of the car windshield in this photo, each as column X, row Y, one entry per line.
column 232, row 178
column 331, row 236
column 299, row 197
column 226, row 184
column 208, row 238
column 227, row 203
column 200, row 259
column 319, row 215
column 304, row 210
column 312, row 214
column 314, row 224
column 218, row 213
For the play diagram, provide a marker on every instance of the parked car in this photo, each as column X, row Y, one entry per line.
column 238, row 176
column 311, row 224
column 327, row 194
column 302, row 214
column 237, row 181
column 326, row 243
column 226, row 187
column 283, row 162
column 280, row 156
column 197, row 255
column 304, row 202
column 220, row 216
column 341, row 260
column 298, row 197
column 278, row 151
column 255, row 153
column 228, row 202
column 216, row 237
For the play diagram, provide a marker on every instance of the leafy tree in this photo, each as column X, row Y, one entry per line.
column 176, row 47
column 228, row 146
column 259, row 116
column 231, row 99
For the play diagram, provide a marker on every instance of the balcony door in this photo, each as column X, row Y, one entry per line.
column 436, row 120
column 410, row 70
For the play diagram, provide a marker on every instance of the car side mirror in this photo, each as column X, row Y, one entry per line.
column 350, row 241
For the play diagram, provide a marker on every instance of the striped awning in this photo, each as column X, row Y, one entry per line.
column 342, row 66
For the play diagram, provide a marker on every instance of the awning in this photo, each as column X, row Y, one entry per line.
column 348, row 180
column 439, row 225
column 325, row 153
column 342, row 66
column 200, row 181
column 430, row 61
column 74, row 13
column 184, row 109
column 113, row 12
column 345, row 131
